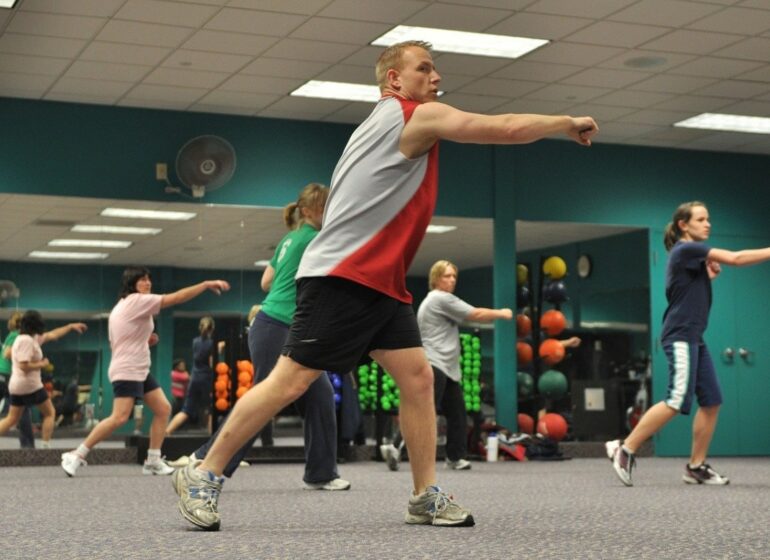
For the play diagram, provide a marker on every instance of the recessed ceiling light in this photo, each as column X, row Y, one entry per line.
column 462, row 42
column 147, row 214
column 69, row 256
column 732, row 123
column 439, row 229
column 126, row 230
column 101, row 243
column 7, row 3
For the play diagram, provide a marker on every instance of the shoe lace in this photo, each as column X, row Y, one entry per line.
column 208, row 492
column 441, row 502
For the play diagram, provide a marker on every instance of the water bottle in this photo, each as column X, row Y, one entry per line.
column 492, row 447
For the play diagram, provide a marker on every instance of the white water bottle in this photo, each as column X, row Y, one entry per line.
column 492, row 447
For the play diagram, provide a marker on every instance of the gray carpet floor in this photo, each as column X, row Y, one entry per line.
column 570, row 509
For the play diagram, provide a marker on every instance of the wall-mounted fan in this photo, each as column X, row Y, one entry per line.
column 203, row 164
column 8, row 290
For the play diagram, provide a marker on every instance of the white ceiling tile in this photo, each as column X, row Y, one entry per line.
column 256, row 22
column 208, row 2
column 452, row 16
column 347, row 73
column 694, row 103
column 261, row 84
column 107, row 71
column 756, row 48
column 677, row 134
column 500, row 87
column 663, row 60
column 749, row 107
column 585, row 8
column 759, row 4
column 616, row 34
column 353, row 113
column 474, row 103
column 670, row 13
column 310, row 50
column 392, row 11
column 307, row 7
column 137, row 33
column 34, row 83
column 670, row 83
column 229, row 42
column 750, row 22
column 284, row 68
column 33, row 64
column 178, row 96
column 366, row 56
column 694, row 42
column 537, row 106
column 628, row 98
column 168, row 13
column 626, row 130
column 254, row 101
column 575, row 94
column 100, row 8
column 305, row 106
column 539, row 26
column 451, row 82
column 758, row 75
column 200, row 60
column 713, row 67
column 122, row 53
column 600, row 113
column 501, row 4
column 97, row 88
column 37, row 45
column 536, row 71
column 53, row 25
column 573, row 53
column 734, row 89
column 185, row 78
column 604, row 77
column 465, row 64
column 653, row 116
column 341, row 30
column 719, row 141
column 764, row 97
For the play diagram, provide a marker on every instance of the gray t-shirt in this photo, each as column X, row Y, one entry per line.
column 439, row 317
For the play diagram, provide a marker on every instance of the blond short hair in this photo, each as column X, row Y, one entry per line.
column 437, row 271
column 392, row 57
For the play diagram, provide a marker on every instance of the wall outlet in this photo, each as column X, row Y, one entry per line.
column 161, row 171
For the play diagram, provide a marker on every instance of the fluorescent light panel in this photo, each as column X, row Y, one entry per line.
column 338, row 90
column 7, row 3
column 101, row 243
column 66, row 255
column 261, row 264
column 439, row 229
column 147, row 214
column 124, row 230
column 732, row 123
column 462, row 42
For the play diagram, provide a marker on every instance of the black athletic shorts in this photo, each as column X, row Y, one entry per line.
column 136, row 389
column 338, row 322
column 30, row 399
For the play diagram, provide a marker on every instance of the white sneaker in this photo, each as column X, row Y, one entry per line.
column 71, row 461
column 157, row 467
column 459, row 465
column 391, row 454
column 183, row 461
column 333, row 485
column 244, row 464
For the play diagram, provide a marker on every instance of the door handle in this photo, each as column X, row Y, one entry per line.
column 728, row 354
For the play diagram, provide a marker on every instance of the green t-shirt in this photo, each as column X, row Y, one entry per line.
column 281, row 301
column 5, row 365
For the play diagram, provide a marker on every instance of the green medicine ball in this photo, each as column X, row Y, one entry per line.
column 552, row 384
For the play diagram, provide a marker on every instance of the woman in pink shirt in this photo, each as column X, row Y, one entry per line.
column 26, row 386
column 131, row 335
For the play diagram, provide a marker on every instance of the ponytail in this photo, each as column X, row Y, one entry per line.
column 683, row 213
column 314, row 195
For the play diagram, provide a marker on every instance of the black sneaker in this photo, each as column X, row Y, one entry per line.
column 703, row 474
column 622, row 461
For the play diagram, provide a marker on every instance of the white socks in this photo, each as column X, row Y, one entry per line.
column 82, row 450
column 153, row 455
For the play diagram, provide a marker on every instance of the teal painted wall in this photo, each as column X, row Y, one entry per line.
column 82, row 150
